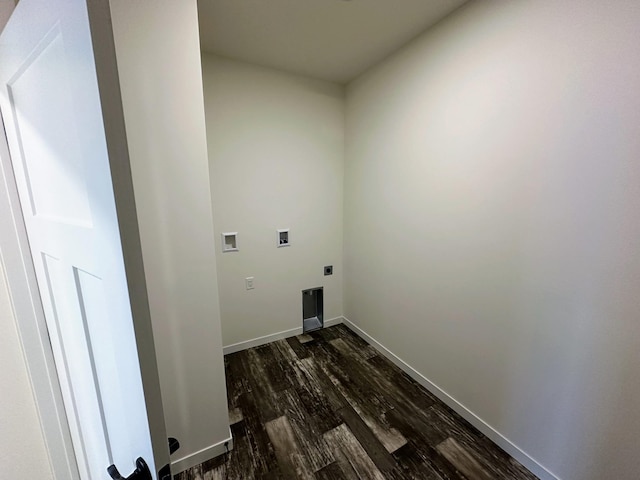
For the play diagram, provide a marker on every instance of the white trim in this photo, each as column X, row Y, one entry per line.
column 202, row 456
column 31, row 325
column 256, row 342
column 334, row 321
column 496, row 437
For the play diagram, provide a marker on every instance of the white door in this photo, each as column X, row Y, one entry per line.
column 50, row 104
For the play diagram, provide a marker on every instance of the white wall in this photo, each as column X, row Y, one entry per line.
column 492, row 217
column 23, row 454
column 276, row 147
column 158, row 55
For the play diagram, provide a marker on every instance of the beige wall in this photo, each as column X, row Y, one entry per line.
column 492, row 216
column 22, row 449
column 276, row 146
column 158, row 57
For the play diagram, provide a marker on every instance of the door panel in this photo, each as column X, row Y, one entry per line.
column 72, row 355
column 55, row 184
column 50, row 103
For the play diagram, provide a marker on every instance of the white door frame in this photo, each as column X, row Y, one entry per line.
column 31, row 324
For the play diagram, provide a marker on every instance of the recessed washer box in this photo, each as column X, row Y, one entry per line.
column 230, row 242
column 284, row 240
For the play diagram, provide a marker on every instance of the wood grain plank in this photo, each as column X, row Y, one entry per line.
column 291, row 459
column 278, row 372
column 331, row 472
column 326, row 334
column 391, row 438
column 323, row 387
column 318, row 395
column 235, row 415
column 405, row 388
column 350, row 455
column 493, row 459
column 237, row 377
column 309, row 438
column 304, row 338
column 262, row 391
column 214, row 463
column 220, row 473
column 296, row 346
column 422, row 436
column 354, row 384
column 351, row 376
column 376, row 451
column 423, row 427
column 284, row 355
column 208, row 476
column 194, row 473
column 386, row 377
column 317, row 401
column 361, row 348
column 462, row 460
column 411, row 465
column 253, row 454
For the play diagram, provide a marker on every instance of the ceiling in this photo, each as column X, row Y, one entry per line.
column 334, row 40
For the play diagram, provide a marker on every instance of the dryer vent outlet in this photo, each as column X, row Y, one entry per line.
column 312, row 309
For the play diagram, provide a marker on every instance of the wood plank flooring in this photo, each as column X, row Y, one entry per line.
column 326, row 406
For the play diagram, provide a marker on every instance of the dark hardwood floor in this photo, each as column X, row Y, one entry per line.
column 326, row 406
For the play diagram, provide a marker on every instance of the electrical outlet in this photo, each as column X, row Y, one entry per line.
column 328, row 270
column 249, row 283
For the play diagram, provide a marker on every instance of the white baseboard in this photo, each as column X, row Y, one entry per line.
column 201, row 456
column 333, row 321
column 495, row 436
column 256, row 342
